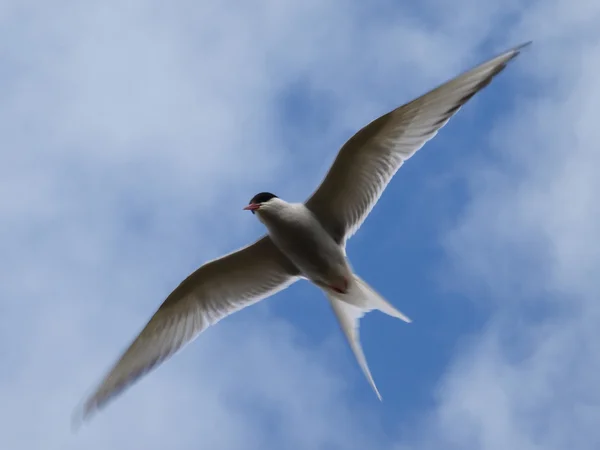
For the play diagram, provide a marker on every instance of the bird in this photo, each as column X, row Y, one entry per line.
column 303, row 240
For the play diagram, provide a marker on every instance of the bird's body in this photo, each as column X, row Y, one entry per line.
column 304, row 240
column 299, row 235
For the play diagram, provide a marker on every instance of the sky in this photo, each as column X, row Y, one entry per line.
column 132, row 134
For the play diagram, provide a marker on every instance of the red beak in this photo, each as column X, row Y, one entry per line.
column 252, row 207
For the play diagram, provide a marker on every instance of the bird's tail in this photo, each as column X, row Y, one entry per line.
column 350, row 307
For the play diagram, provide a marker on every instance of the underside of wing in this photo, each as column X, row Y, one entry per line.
column 214, row 291
column 368, row 161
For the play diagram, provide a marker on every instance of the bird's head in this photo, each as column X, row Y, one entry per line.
column 259, row 201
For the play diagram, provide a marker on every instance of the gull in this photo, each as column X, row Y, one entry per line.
column 303, row 241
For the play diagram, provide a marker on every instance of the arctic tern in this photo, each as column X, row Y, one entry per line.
column 304, row 240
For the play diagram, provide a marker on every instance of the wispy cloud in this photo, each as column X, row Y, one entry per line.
column 128, row 131
column 527, row 243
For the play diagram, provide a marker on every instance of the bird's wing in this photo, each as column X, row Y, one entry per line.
column 367, row 162
column 212, row 292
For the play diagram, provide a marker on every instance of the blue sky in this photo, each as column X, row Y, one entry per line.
column 132, row 135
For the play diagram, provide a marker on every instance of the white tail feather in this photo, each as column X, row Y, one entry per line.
column 373, row 300
column 350, row 307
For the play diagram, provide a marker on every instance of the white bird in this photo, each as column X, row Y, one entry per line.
column 304, row 240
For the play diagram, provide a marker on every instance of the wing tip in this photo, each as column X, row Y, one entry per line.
column 526, row 44
column 88, row 407
column 502, row 59
column 520, row 47
column 515, row 51
column 80, row 415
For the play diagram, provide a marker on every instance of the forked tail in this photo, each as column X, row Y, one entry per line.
column 350, row 307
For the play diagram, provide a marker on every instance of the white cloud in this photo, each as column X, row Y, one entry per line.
column 527, row 243
column 129, row 130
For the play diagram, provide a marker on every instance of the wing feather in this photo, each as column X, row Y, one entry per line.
column 214, row 291
column 370, row 158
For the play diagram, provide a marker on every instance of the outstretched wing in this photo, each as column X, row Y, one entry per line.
column 212, row 292
column 368, row 161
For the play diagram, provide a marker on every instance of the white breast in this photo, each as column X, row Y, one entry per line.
column 300, row 236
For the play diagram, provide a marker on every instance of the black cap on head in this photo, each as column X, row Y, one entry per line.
column 262, row 197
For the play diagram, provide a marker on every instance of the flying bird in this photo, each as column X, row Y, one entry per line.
column 303, row 241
